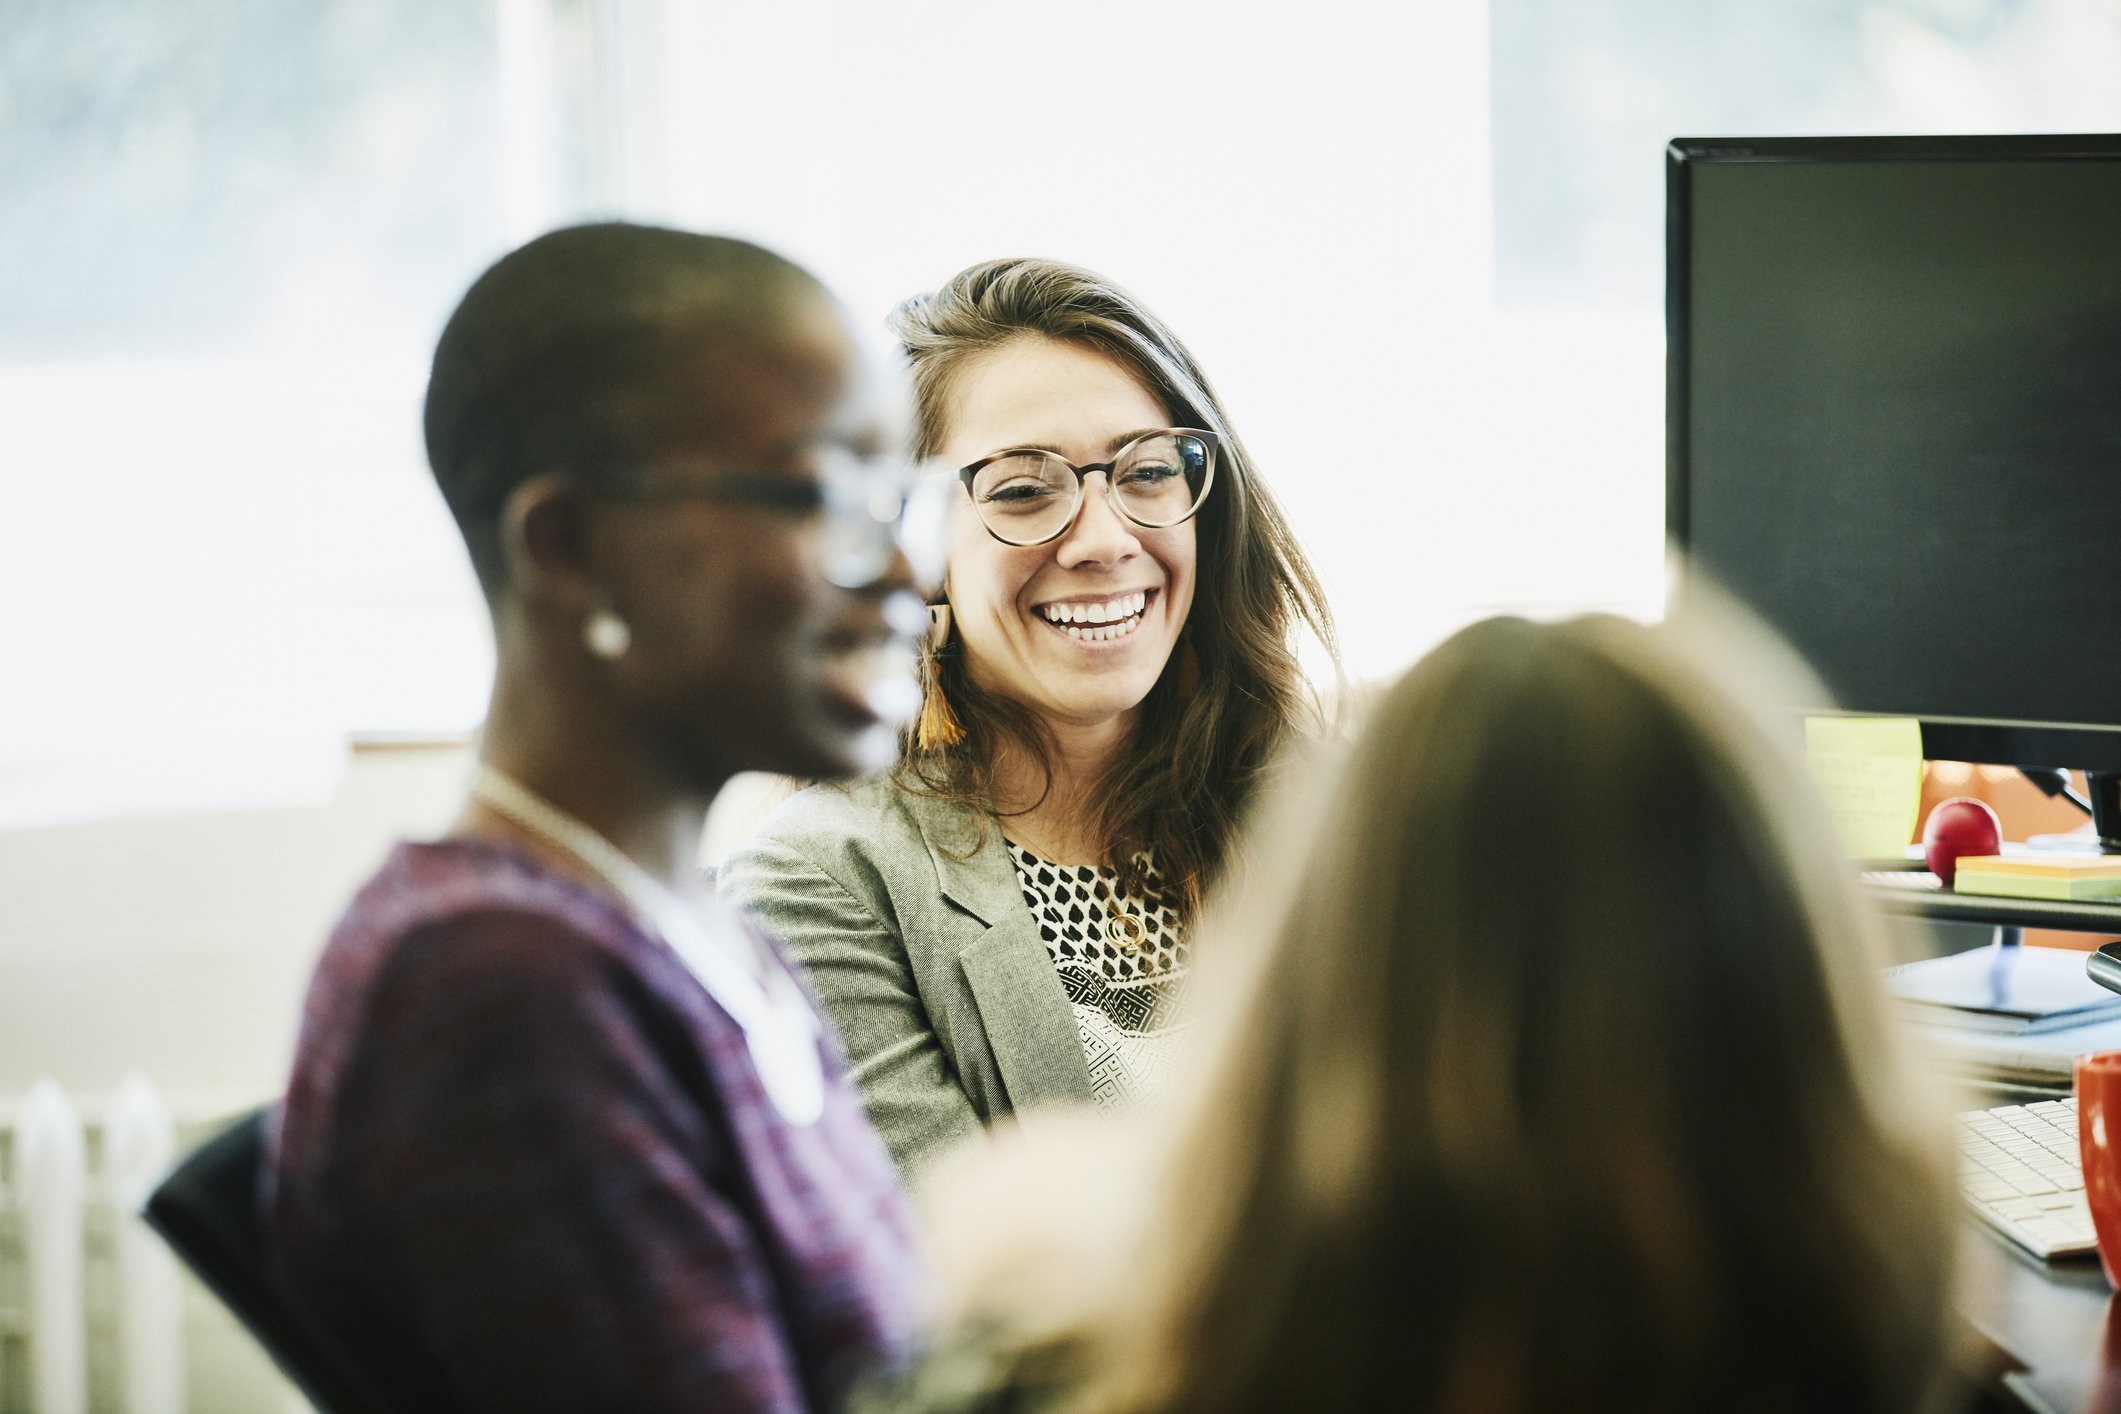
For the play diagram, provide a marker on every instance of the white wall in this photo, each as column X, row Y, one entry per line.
column 179, row 946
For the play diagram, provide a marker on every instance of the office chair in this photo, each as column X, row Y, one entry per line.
column 208, row 1210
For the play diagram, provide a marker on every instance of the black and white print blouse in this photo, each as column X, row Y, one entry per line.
column 1121, row 960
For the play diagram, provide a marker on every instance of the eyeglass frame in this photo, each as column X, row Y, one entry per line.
column 797, row 495
column 1213, row 444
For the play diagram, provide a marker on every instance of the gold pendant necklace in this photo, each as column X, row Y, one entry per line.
column 1125, row 931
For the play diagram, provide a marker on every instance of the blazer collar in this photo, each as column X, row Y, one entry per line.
column 970, row 863
column 1024, row 1011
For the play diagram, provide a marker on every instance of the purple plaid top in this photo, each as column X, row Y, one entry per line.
column 524, row 1158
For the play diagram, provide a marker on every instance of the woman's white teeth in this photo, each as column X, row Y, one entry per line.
column 1095, row 623
column 1100, row 632
column 1107, row 620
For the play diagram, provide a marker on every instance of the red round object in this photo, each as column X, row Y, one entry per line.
column 1959, row 828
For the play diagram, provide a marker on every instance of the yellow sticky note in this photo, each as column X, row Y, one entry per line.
column 1869, row 769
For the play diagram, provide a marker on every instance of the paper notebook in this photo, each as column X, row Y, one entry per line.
column 2004, row 989
column 2043, row 1058
column 2083, row 876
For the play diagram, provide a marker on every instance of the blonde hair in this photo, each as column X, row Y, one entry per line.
column 1552, row 1072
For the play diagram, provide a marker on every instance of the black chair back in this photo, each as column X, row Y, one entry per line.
column 208, row 1209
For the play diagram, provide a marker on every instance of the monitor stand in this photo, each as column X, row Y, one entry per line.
column 2104, row 787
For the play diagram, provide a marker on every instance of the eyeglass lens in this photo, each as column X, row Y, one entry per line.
column 1028, row 498
column 873, row 506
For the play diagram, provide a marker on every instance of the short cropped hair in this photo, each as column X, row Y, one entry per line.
column 558, row 354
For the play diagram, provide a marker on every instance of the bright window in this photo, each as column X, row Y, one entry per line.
column 1418, row 248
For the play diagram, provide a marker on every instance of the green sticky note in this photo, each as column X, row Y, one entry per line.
column 1869, row 769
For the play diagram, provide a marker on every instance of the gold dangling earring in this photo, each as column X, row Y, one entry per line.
column 938, row 726
column 1185, row 680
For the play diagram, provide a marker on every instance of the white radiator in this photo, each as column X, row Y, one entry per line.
column 90, row 1310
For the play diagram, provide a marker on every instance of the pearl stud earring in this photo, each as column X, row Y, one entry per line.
column 606, row 635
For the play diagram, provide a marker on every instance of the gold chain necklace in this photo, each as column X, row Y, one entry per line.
column 780, row 1030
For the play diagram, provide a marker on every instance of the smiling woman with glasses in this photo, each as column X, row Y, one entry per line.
column 1000, row 922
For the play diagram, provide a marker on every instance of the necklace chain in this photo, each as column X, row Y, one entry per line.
column 780, row 1035
column 515, row 801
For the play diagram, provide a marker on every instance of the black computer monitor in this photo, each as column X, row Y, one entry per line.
column 1893, row 424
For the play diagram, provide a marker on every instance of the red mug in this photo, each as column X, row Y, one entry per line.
column 2099, row 1144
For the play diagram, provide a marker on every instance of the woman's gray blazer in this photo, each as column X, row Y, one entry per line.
column 906, row 914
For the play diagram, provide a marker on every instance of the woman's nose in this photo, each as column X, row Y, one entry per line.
column 1098, row 535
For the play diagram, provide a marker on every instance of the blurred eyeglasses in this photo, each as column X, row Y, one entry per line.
column 1026, row 496
column 871, row 507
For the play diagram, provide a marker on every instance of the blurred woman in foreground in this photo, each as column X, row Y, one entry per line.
column 1553, row 1073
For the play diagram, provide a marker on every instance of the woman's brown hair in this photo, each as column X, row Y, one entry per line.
column 1233, row 693
column 1547, row 1067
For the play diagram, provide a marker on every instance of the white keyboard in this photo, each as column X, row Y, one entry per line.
column 2019, row 1168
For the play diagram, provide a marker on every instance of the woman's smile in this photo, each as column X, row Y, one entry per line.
column 1101, row 620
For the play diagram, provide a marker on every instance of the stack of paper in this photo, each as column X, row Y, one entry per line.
column 2064, row 876
column 2045, row 1059
column 2004, row 988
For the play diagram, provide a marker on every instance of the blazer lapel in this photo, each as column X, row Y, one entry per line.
column 1029, row 1024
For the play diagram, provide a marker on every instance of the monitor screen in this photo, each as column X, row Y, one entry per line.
column 1894, row 422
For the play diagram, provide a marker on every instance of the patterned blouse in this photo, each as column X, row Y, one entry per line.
column 1122, row 962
